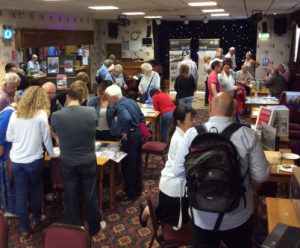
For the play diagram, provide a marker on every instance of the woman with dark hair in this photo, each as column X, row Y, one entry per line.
column 171, row 188
column 163, row 103
column 100, row 104
column 185, row 85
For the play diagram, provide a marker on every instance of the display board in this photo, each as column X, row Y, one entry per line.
column 178, row 49
column 61, row 69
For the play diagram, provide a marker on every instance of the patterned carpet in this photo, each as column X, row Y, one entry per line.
column 123, row 228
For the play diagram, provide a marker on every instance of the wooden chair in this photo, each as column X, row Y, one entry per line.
column 66, row 236
column 3, row 231
column 154, row 147
column 168, row 237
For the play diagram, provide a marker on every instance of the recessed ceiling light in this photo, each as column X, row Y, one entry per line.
column 201, row 4
column 220, row 14
column 153, row 17
column 133, row 13
column 55, row 0
column 212, row 10
column 274, row 13
column 103, row 7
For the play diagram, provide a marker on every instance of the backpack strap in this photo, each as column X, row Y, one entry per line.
column 232, row 128
column 218, row 222
column 201, row 129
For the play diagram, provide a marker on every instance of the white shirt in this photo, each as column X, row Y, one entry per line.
column 251, row 154
column 27, row 137
column 145, row 80
column 232, row 57
column 169, row 184
column 227, row 82
column 192, row 68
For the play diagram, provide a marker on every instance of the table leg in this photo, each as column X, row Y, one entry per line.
column 154, row 130
column 100, row 189
column 112, row 184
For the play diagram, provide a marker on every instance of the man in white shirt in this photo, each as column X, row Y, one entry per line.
column 236, row 226
column 192, row 65
column 33, row 66
column 231, row 55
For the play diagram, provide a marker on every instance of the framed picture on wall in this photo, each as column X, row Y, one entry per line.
column 53, row 65
column 68, row 66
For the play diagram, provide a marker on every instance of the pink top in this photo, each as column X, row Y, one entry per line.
column 213, row 79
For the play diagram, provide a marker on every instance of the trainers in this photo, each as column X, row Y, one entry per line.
column 36, row 223
column 98, row 237
column 103, row 225
column 10, row 215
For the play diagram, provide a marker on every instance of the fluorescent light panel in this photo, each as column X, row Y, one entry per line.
column 153, row 17
column 212, row 10
column 133, row 13
column 103, row 7
column 220, row 14
column 201, row 4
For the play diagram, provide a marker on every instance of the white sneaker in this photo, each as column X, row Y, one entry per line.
column 10, row 215
column 103, row 225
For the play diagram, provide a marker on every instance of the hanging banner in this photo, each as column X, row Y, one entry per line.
column 207, row 47
column 179, row 48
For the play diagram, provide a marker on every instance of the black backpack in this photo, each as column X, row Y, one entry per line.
column 214, row 181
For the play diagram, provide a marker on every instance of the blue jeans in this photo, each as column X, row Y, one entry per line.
column 165, row 122
column 28, row 180
column 186, row 101
column 80, row 184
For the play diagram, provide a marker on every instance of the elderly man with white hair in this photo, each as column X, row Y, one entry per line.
column 33, row 66
column 231, row 55
column 125, row 121
column 150, row 80
column 9, row 86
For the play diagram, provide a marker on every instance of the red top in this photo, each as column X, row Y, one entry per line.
column 213, row 79
column 163, row 103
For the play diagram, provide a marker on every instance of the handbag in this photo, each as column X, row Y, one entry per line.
column 144, row 96
column 144, row 130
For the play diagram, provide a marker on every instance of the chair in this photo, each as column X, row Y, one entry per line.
column 3, row 231
column 66, row 236
column 154, row 147
column 168, row 237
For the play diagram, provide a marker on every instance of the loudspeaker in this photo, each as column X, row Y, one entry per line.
column 113, row 30
column 280, row 25
column 148, row 31
column 264, row 27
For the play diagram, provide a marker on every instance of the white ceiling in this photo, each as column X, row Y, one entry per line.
column 169, row 9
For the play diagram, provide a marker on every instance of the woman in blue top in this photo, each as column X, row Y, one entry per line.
column 7, row 188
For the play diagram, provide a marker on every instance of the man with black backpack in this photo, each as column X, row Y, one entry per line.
column 221, row 160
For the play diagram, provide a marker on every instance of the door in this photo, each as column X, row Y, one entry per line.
column 114, row 48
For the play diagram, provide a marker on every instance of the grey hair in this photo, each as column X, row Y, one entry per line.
column 114, row 90
column 11, row 78
column 146, row 67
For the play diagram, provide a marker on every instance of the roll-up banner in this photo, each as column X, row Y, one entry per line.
column 179, row 48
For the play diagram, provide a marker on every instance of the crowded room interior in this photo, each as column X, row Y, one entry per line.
column 149, row 124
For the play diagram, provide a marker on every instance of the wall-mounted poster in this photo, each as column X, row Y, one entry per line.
column 53, row 65
column 61, row 80
column 178, row 49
